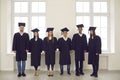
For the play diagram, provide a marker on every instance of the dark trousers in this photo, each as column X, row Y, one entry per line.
column 62, row 68
column 52, row 67
column 96, row 66
column 95, row 69
column 79, row 66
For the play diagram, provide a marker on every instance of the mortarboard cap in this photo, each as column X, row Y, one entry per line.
column 35, row 30
column 21, row 24
column 65, row 29
column 92, row 28
column 49, row 29
column 80, row 25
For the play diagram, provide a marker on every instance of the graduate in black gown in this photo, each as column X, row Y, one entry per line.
column 94, row 49
column 50, row 45
column 64, row 45
column 21, row 47
column 35, row 47
column 79, row 43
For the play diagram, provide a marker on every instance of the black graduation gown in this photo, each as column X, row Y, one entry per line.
column 20, row 45
column 94, row 46
column 50, row 48
column 35, row 49
column 64, row 47
column 79, row 44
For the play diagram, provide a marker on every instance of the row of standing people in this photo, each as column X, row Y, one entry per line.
column 22, row 45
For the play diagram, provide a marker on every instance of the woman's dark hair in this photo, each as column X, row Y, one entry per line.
column 51, row 39
column 37, row 36
column 93, row 34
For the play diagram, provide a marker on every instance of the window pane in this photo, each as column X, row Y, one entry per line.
column 21, row 7
column 100, row 21
column 35, row 22
column 103, row 7
column 98, row 31
column 42, row 32
column 82, row 7
column 38, row 7
column 104, row 21
column 39, row 22
column 20, row 19
column 104, row 44
column 83, row 20
column 100, row 7
column 97, row 21
column 103, row 33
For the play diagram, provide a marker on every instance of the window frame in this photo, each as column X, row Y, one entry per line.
column 26, row 14
column 91, row 14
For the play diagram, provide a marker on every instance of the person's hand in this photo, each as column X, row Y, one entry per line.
column 57, row 50
column 85, row 51
column 43, row 52
column 27, row 51
column 97, row 53
column 14, row 51
column 72, row 51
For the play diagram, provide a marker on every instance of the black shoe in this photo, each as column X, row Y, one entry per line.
column 82, row 73
column 77, row 74
column 23, row 74
column 96, row 75
column 92, row 74
column 69, row 73
column 51, row 75
column 19, row 75
column 61, row 73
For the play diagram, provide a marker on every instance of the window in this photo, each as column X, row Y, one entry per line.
column 94, row 13
column 32, row 12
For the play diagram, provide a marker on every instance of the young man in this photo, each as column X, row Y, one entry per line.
column 20, row 47
column 64, row 45
column 94, row 49
column 79, row 43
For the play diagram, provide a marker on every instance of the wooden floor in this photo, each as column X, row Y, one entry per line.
column 103, row 75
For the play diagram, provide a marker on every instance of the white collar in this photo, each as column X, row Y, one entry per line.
column 80, row 34
column 65, row 38
column 50, row 38
column 92, row 37
column 21, row 33
column 36, row 39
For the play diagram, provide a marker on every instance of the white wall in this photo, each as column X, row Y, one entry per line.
column 0, row 29
column 60, row 13
column 6, row 60
column 114, row 59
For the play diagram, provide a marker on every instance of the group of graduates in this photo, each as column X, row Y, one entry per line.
column 49, row 46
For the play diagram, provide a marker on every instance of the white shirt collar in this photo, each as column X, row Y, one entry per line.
column 21, row 33
column 80, row 34
column 92, row 37
column 65, row 38
column 50, row 38
column 36, row 39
